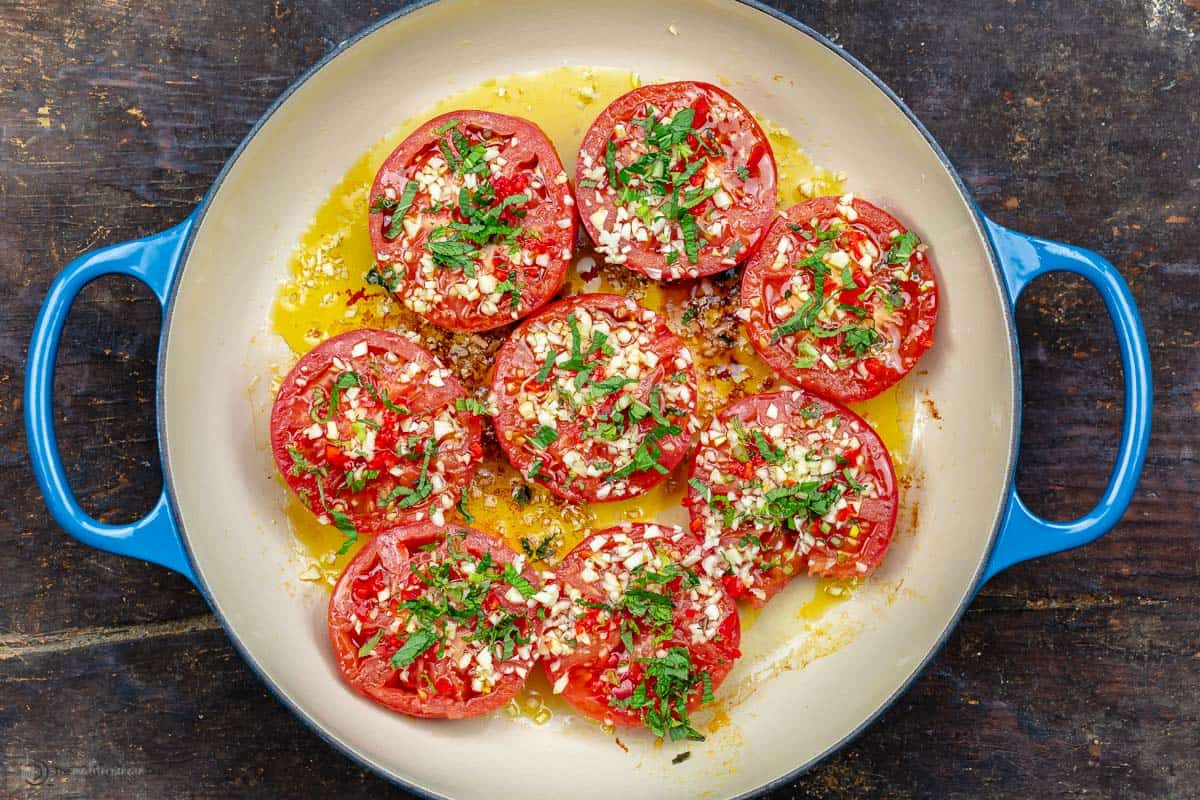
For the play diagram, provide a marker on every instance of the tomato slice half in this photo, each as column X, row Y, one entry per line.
column 435, row 622
column 676, row 180
column 368, row 432
column 639, row 637
column 472, row 220
column 841, row 298
column 595, row 398
column 786, row 483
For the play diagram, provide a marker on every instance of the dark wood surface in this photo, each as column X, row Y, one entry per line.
column 1074, row 676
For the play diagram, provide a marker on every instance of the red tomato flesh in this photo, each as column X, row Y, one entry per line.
column 676, row 180
column 367, row 432
column 643, row 633
column 787, row 483
column 840, row 299
column 404, row 621
column 472, row 220
column 595, row 398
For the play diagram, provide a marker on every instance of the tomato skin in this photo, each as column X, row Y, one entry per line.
column 584, row 668
column 876, row 518
column 291, row 416
column 387, row 560
column 753, row 206
column 543, row 216
column 516, row 365
column 908, row 331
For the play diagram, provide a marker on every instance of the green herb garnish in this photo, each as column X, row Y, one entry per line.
column 400, row 209
column 471, row 405
column 902, row 248
column 663, row 694
column 369, row 645
column 417, row 643
column 543, row 437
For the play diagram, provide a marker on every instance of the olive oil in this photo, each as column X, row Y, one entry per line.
column 325, row 294
column 318, row 545
column 829, row 593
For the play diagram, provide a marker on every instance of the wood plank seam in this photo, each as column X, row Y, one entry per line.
column 20, row 646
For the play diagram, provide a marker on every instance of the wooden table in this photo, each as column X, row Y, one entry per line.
column 1074, row 676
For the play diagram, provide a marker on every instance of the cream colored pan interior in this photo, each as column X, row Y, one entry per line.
column 802, row 688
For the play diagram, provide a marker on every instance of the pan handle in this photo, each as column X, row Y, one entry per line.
column 1023, row 534
column 152, row 260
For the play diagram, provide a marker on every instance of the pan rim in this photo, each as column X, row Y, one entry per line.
column 347, row 749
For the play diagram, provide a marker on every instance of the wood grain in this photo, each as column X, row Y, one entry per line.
column 1074, row 676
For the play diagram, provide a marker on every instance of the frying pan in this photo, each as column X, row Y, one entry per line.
column 803, row 689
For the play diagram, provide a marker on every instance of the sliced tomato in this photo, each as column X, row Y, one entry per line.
column 595, row 398
column 787, row 483
column 472, row 220
column 367, row 431
column 676, row 180
column 643, row 635
column 435, row 622
column 841, row 298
